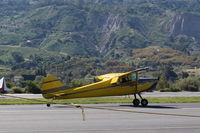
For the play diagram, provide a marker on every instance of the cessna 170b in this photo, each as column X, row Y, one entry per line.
column 112, row 84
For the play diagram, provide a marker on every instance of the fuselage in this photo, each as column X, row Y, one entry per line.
column 102, row 88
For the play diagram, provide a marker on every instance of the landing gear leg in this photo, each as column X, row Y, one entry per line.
column 136, row 102
column 144, row 102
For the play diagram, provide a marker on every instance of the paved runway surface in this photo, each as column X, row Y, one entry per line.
column 144, row 94
column 62, row 119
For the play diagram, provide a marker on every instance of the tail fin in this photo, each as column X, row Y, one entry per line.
column 3, row 87
column 50, row 87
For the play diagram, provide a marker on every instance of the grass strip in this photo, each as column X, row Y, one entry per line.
column 102, row 100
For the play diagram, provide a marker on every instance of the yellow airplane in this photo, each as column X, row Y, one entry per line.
column 112, row 84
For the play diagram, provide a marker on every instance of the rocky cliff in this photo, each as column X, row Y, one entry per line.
column 185, row 24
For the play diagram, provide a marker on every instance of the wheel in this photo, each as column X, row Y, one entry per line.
column 136, row 102
column 144, row 102
column 48, row 104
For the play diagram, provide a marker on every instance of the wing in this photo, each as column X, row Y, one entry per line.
column 115, row 75
column 128, row 76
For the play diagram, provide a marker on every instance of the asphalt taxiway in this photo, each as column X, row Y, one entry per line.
column 62, row 119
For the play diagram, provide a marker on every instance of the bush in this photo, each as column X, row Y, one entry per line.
column 165, row 90
column 170, row 90
column 175, row 89
column 193, row 88
column 188, row 84
column 76, row 83
column 9, row 84
column 32, row 88
column 18, row 90
column 38, row 80
column 163, row 84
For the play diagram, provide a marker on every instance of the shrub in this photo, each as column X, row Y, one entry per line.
column 9, row 84
column 188, row 84
column 175, row 89
column 165, row 90
column 193, row 88
column 76, row 83
column 163, row 84
column 32, row 88
column 18, row 90
column 170, row 89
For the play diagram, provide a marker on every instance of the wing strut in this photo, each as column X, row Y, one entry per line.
column 136, row 85
column 137, row 77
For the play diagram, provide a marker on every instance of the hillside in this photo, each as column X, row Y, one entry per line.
column 98, row 26
column 158, row 55
column 123, row 33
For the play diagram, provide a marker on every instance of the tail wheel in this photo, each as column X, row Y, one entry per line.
column 48, row 104
column 144, row 102
column 136, row 102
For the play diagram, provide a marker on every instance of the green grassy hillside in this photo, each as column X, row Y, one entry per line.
column 94, row 28
column 63, row 36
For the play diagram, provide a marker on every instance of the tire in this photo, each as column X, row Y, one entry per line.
column 48, row 104
column 144, row 102
column 136, row 102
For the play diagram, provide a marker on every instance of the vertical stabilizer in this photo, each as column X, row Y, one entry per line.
column 3, row 87
column 51, row 87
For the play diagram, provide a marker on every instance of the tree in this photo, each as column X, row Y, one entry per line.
column 169, row 73
column 17, row 57
column 41, row 72
column 185, row 75
column 163, row 83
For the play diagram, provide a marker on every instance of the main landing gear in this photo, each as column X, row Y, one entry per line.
column 136, row 102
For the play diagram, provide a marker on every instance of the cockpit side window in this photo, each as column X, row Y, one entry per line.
column 125, row 79
column 133, row 76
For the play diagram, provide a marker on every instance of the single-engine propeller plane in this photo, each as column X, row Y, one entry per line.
column 112, row 84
